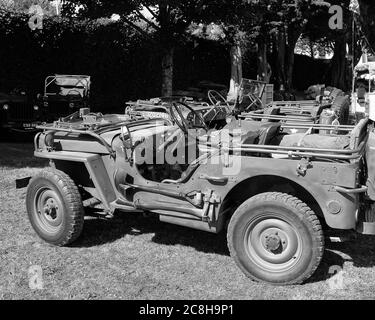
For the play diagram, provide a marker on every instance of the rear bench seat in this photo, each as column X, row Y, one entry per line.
column 315, row 141
column 336, row 142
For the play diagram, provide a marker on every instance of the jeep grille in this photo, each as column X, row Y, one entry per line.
column 21, row 111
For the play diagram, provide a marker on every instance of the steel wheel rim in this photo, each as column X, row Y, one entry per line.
column 48, row 210
column 273, row 244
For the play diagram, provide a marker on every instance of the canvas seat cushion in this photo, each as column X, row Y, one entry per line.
column 315, row 141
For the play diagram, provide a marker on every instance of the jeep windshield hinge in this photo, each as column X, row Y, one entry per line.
column 302, row 166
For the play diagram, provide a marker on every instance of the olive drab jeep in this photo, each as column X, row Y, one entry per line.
column 270, row 188
column 63, row 95
column 19, row 111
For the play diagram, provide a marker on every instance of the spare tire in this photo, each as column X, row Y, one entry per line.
column 336, row 93
column 341, row 107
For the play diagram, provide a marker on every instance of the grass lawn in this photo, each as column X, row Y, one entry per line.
column 133, row 257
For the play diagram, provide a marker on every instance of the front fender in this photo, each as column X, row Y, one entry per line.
column 96, row 168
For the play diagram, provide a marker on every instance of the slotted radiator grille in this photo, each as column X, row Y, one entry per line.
column 21, row 111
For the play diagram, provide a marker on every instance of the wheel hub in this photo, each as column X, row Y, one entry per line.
column 50, row 209
column 273, row 242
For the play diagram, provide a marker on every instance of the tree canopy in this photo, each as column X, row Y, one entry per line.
column 268, row 29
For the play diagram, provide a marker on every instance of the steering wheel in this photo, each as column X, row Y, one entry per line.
column 255, row 102
column 181, row 121
column 216, row 99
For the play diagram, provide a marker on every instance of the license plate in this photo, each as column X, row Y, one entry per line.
column 29, row 125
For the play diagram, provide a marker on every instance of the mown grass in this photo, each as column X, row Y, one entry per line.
column 133, row 257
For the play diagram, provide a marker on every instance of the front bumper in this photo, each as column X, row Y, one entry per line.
column 24, row 126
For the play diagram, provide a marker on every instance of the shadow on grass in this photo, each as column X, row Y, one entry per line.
column 19, row 155
column 360, row 251
column 99, row 231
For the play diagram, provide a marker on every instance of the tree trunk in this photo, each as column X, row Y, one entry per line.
column 286, row 44
column 367, row 17
column 264, row 68
column 236, row 72
column 290, row 64
column 339, row 67
column 281, row 48
column 167, row 72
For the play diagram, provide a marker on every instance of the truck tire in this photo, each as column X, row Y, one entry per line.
column 341, row 107
column 276, row 238
column 54, row 207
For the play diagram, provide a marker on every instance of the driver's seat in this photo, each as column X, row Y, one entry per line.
column 255, row 132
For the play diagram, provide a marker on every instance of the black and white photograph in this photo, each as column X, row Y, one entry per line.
column 185, row 155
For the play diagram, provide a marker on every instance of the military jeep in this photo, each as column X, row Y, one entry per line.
column 63, row 95
column 19, row 111
column 270, row 190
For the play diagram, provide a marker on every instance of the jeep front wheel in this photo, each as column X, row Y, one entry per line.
column 54, row 207
column 276, row 238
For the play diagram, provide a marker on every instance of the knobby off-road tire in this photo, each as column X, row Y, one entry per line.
column 276, row 238
column 341, row 106
column 335, row 93
column 54, row 207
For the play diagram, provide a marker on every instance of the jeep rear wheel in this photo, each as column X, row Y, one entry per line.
column 276, row 238
column 54, row 207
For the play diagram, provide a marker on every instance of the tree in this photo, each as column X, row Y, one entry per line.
column 227, row 19
column 274, row 27
column 23, row 6
column 160, row 21
column 320, row 31
column 367, row 18
column 290, row 22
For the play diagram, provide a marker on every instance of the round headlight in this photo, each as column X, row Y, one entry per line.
column 6, row 107
column 36, row 108
column 49, row 139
